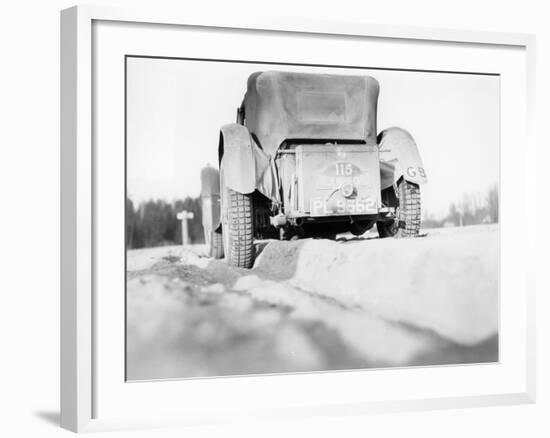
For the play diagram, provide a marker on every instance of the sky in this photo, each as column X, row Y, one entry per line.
column 175, row 109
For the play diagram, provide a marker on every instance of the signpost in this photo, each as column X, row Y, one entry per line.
column 184, row 217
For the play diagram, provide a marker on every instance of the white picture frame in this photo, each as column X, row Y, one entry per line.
column 83, row 370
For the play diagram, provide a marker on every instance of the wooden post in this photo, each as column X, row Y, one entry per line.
column 184, row 217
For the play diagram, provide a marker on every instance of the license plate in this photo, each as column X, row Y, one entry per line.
column 324, row 173
column 320, row 207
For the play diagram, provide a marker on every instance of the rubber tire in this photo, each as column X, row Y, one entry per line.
column 238, row 230
column 214, row 243
column 407, row 223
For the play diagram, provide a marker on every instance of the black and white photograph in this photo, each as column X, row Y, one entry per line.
column 286, row 218
column 270, row 220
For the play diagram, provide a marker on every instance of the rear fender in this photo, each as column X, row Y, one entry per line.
column 237, row 158
column 399, row 157
column 246, row 167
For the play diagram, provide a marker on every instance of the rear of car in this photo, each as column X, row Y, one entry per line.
column 326, row 180
column 303, row 159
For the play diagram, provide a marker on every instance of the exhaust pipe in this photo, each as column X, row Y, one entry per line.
column 296, row 221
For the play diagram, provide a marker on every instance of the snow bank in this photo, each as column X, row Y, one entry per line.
column 447, row 282
column 373, row 338
column 146, row 258
column 315, row 305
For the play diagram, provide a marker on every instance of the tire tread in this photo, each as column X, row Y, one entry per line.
column 241, row 229
column 216, row 245
column 408, row 219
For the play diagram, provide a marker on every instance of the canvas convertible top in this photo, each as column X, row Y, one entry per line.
column 283, row 106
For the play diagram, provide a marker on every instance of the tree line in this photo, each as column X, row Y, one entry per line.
column 470, row 210
column 154, row 222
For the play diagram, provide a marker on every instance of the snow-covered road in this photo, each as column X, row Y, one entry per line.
column 312, row 305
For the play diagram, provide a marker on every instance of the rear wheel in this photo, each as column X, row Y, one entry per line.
column 214, row 243
column 237, row 228
column 210, row 203
column 407, row 221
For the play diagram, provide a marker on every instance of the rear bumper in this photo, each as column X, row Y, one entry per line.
column 384, row 213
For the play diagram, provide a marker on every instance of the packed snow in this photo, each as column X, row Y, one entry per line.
column 315, row 304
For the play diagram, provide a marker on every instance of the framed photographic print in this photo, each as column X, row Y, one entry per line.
column 276, row 219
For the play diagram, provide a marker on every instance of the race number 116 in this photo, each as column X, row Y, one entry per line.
column 344, row 169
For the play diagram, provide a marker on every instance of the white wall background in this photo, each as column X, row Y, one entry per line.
column 29, row 219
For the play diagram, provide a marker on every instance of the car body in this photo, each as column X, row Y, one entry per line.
column 304, row 152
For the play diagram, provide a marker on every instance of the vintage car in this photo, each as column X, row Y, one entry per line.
column 304, row 160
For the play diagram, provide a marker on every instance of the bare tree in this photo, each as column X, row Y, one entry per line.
column 492, row 203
